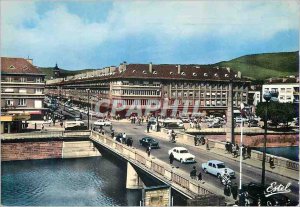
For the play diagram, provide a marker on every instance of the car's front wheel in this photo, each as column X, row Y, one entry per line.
column 219, row 175
column 205, row 171
column 181, row 160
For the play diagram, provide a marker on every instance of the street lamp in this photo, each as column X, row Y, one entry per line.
column 267, row 96
column 88, row 114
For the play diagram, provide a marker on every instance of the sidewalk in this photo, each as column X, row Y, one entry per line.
column 251, row 162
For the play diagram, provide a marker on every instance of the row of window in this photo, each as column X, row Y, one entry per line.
column 22, row 79
column 21, row 102
column 143, row 83
column 22, row 90
column 137, row 92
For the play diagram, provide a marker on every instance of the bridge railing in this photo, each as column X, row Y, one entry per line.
column 174, row 176
column 45, row 134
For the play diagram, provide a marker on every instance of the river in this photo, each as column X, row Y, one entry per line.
column 291, row 153
column 95, row 181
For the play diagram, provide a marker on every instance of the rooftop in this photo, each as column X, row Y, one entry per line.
column 18, row 66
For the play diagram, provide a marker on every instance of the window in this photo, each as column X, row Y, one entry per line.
column 22, row 102
column 23, row 79
column 8, row 90
column 38, row 90
column 38, row 80
column 9, row 102
column 22, row 90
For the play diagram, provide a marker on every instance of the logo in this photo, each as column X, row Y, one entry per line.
column 275, row 188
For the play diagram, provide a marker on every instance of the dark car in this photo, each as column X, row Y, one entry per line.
column 149, row 141
column 253, row 123
column 256, row 191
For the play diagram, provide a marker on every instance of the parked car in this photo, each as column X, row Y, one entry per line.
column 256, row 191
column 185, row 119
column 102, row 122
column 149, row 142
column 182, row 154
column 214, row 125
column 78, row 118
column 253, row 123
column 216, row 168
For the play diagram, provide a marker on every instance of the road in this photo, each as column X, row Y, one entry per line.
column 250, row 174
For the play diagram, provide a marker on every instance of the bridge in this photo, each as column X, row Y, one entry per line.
column 138, row 163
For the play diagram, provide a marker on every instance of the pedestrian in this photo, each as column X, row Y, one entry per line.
column 43, row 127
column 249, row 151
column 227, row 147
column 148, row 151
column 148, row 127
column 234, row 150
column 200, row 176
column 207, row 144
column 61, row 124
column 112, row 134
column 34, row 126
column 195, row 140
column 234, row 191
column 171, row 158
column 244, row 151
column 111, row 127
column 193, row 173
column 124, row 137
column 271, row 161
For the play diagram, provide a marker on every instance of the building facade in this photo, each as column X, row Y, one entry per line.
column 186, row 88
column 22, row 91
column 287, row 88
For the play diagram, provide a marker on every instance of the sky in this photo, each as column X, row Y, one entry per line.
column 96, row 34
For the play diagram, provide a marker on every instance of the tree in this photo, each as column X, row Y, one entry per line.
column 277, row 112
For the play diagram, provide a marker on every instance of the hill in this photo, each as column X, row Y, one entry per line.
column 48, row 71
column 266, row 65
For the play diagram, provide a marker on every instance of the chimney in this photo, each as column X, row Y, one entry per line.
column 124, row 65
column 178, row 69
column 228, row 69
column 239, row 74
column 112, row 69
column 150, row 67
column 29, row 60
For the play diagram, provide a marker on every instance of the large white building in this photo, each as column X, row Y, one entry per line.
column 287, row 88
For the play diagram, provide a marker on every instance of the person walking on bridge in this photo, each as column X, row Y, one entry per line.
column 171, row 158
column 193, row 173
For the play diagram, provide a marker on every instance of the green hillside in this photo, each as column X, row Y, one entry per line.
column 49, row 72
column 262, row 66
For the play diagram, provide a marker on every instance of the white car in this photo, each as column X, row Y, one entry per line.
column 102, row 122
column 182, row 154
column 216, row 168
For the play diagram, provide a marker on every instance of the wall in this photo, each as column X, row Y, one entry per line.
column 31, row 150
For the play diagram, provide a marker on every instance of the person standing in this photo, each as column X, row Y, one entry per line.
column 43, row 127
column 171, row 158
column 200, row 176
column 148, row 151
column 193, row 173
column 148, row 127
column 272, row 162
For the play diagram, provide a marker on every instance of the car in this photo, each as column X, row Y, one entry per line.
column 182, row 155
column 214, row 125
column 217, row 168
column 256, row 190
column 78, row 117
column 253, row 123
column 102, row 122
column 185, row 119
column 149, row 142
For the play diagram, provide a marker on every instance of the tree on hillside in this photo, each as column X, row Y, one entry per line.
column 277, row 112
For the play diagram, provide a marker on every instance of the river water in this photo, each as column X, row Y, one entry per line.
column 291, row 153
column 95, row 181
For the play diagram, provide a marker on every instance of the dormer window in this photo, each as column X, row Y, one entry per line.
column 216, row 74
column 226, row 75
column 194, row 74
column 144, row 72
column 12, row 67
column 171, row 73
column 133, row 71
column 182, row 73
column 205, row 74
column 154, row 72
column 235, row 75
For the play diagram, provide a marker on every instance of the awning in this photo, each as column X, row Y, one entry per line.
column 35, row 112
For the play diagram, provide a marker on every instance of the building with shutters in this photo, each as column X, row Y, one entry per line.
column 22, row 91
column 184, row 89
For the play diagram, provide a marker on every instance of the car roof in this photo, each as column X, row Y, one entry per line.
column 215, row 161
column 180, row 148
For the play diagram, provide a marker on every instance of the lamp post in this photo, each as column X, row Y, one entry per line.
column 267, row 96
column 88, row 114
